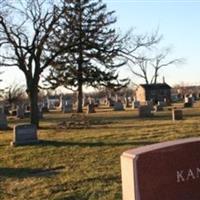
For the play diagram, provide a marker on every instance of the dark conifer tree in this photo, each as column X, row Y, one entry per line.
column 93, row 49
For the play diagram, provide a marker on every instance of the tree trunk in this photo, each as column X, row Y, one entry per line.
column 80, row 98
column 33, row 97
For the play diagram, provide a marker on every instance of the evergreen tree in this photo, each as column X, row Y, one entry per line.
column 93, row 48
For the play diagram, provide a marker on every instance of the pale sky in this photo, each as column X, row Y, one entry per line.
column 178, row 22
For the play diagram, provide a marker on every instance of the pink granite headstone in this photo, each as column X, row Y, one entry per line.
column 164, row 171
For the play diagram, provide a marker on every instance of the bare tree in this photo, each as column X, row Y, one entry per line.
column 146, row 64
column 14, row 94
column 24, row 34
column 160, row 61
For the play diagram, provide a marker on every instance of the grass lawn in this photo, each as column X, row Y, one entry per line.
column 83, row 163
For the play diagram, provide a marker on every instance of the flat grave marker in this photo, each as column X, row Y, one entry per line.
column 164, row 171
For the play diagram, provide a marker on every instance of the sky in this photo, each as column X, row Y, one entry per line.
column 179, row 24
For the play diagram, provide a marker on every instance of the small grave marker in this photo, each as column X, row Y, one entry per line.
column 145, row 111
column 20, row 111
column 164, row 171
column 118, row 106
column 177, row 114
column 24, row 134
column 3, row 122
column 135, row 104
column 90, row 108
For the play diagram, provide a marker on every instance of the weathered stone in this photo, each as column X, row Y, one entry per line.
column 24, row 134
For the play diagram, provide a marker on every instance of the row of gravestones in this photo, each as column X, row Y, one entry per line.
column 158, row 107
column 146, row 111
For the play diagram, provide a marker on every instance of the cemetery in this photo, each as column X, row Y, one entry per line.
column 88, row 110
column 81, row 160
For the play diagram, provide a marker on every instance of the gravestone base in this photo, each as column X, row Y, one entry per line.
column 15, row 144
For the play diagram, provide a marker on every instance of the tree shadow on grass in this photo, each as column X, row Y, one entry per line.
column 29, row 172
column 94, row 144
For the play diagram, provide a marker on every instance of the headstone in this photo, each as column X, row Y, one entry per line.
column 2, row 110
column 3, row 121
column 145, row 111
column 45, row 109
column 118, row 106
column 67, row 105
column 158, row 108
column 13, row 112
column 90, row 108
column 27, row 114
column 20, row 111
column 162, row 103
column 40, row 112
column 67, row 108
column 110, row 102
column 165, row 171
column 177, row 114
column 188, row 102
column 188, row 105
column 24, row 134
column 135, row 104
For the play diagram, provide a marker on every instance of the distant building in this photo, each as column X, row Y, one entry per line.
column 153, row 92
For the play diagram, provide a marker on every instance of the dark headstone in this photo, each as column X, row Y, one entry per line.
column 177, row 114
column 3, row 122
column 118, row 106
column 158, row 108
column 165, row 171
column 90, row 108
column 24, row 134
column 188, row 105
column 13, row 112
column 45, row 109
column 135, row 104
column 20, row 111
column 145, row 111
column 27, row 114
